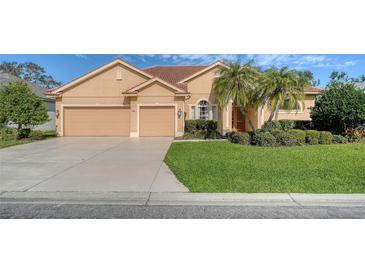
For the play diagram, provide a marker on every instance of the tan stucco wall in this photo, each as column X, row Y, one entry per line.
column 300, row 115
column 200, row 88
column 102, row 89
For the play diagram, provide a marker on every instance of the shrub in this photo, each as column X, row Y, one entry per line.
column 271, row 125
column 190, row 126
column 303, row 124
column 312, row 137
column 342, row 105
column 23, row 133
column 265, row 139
column 213, row 135
column 287, row 124
column 241, row 138
column 20, row 106
column 339, row 139
column 285, row 139
column 355, row 134
column 188, row 136
column 299, row 135
column 207, row 128
column 36, row 135
column 276, row 131
column 9, row 134
column 49, row 133
column 325, row 138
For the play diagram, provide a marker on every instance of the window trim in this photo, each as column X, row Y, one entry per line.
column 210, row 110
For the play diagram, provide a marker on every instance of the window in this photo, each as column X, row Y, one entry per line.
column 203, row 110
column 214, row 113
column 296, row 107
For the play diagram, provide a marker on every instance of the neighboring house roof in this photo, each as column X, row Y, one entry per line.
column 90, row 74
column 37, row 90
column 137, row 88
column 360, row 85
column 313, row 90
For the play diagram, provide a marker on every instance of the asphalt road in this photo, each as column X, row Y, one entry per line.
column 95, row 211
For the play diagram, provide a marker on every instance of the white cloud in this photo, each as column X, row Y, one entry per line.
column 193, row 59
column 295, row 61
column 300, row 61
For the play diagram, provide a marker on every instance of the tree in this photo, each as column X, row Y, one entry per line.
column 20, row 106
column 30, row 72
column 12, row 68
column 283, row 87
column 236, row 83
column 341, row 106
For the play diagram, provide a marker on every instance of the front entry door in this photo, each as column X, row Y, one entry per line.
column 238, row 120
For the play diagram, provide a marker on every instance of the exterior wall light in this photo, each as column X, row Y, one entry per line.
column 57, row 113
column 179, row 113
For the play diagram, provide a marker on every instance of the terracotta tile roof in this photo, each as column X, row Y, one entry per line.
column 174, row 74
column 313, row 89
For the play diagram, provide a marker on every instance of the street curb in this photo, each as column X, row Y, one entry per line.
column 184, row 199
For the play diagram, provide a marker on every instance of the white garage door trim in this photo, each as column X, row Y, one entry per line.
column 63, row 106
column 157, row 105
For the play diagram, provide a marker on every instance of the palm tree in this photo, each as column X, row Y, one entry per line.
column 236, row 83
column 283, row 87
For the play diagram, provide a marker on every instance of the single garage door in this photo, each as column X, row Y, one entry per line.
column 156, row 121
column 96, row 121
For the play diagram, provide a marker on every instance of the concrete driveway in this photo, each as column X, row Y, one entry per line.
column 88, row 164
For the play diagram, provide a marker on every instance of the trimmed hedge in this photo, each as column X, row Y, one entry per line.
column 205, row 125
column 8, row 134
column 283, row 138
column 276, row 131
column 36, row 135
column 287, row 124
column 271, row 126
column 264, row 139
column 312, row 137
column 325, row 138
column 241, row 138
column 339, row 139
column 206, row 129
column 299, row 135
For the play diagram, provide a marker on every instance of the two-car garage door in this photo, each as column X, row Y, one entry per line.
column 115, row 121
column 96, row 121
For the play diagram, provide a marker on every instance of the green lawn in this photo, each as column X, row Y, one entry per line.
column 226, row 167
column 13, row 143
column 47, row 134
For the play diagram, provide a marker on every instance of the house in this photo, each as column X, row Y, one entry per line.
column 360, row 85
column 39, row 91
column 119, row 99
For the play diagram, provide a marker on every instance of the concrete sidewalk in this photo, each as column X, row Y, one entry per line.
column 185, row 199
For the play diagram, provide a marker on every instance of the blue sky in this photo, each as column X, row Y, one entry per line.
column 65, row 67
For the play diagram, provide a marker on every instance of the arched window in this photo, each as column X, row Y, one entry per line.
column 203, row 110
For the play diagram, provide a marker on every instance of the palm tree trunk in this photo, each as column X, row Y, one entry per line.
column 248, row 120
column 273, row 112
column 276, row 112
